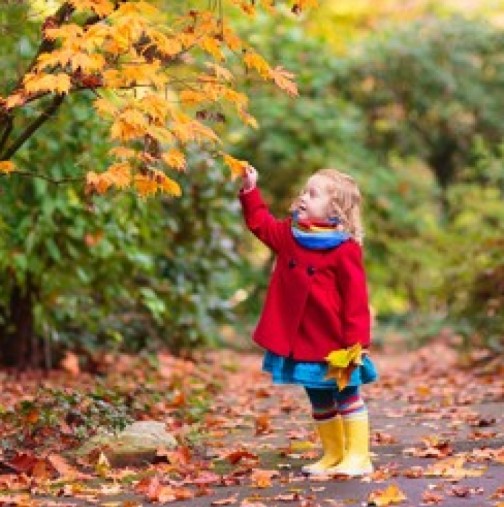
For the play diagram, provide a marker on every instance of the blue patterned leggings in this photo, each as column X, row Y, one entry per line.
column 327, row 403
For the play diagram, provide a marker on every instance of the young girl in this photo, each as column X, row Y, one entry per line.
column 317, row 304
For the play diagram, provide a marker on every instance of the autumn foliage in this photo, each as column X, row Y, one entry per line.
column 160, row 80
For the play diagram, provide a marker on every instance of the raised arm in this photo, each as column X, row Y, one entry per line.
column 257, row 216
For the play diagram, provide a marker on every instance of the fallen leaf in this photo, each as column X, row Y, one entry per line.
column 262, row 478
column 431, row 498
column 236, row 456
column 226, row 501
column 392, row 495
column 262, row 424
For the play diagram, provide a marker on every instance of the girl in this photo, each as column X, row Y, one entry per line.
column 317, row 304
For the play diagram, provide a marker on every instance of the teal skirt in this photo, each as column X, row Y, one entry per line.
column 285, row 370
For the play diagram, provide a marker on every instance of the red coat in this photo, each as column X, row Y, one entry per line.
column 317, row 300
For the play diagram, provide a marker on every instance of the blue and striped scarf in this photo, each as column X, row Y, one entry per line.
column 316, row 234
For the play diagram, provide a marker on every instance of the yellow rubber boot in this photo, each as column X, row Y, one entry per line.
column 356, row 461
column 333, row 444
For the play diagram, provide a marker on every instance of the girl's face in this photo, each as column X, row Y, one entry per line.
column 314, row 202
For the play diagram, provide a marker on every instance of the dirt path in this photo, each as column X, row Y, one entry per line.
column 437, row 434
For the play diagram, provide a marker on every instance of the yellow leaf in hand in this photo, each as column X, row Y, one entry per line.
column 343, row 357
column 237, row 166
column 340, row 375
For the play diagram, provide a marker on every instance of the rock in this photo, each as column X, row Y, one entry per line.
column 137, row 444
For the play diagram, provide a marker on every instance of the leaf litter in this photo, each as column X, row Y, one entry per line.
column 209, row 404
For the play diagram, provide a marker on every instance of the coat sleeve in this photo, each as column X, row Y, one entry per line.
column 356, row 317
column 260, row 221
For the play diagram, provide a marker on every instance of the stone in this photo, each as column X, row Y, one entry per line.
column 136, row 445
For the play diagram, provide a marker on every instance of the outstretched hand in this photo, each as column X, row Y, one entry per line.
column 250, row 177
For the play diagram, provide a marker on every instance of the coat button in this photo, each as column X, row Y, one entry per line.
column 310, row 270
column 292, row 263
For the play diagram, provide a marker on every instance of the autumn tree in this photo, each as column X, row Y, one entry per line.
column 158, row 78
column 161, row 81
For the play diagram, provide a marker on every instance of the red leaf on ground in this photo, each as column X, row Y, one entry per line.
column 235, row 456
column 262, row 425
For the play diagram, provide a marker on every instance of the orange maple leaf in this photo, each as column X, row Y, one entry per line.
column 174, row 158
column 101, row 7
column 392, row 495
column 237, row 166
column 255, row 61
column 283, row 79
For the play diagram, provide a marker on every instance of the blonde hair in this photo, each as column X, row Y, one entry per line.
column 345, row 201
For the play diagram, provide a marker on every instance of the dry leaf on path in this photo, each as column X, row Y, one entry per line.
column 392, row 495
column 262, row 478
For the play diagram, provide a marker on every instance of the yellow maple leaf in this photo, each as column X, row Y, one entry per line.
column 211, row 89
column 392, row 495
column 191, row 97
column 283, row 79
column 87, row 63
column 169, row 46
column 112, row 78
column 101, row 7
column 304, row 4
column 130, row 124
column 170, row 186
column 342, row 363
column 54, row 58
column 95, row 36
column 96, row 183
column 144, row 73
column 105, row 107
column 70, row 31
column 145, row 185
column 122, row 152
column 255, row 61
column 240, row 100
column 237, row 166
column 174, row 158
column 15, row 100
column 119, row 174
column 161, row 134
column 155, row 106
column 202, row 133
column 211, row 46
column 248, row 119
column 35, row 83
column 233, row 42
column 220, row 72
column 135, row 9
column 6, row 166
column 246, row 6
column 453, row 468
column 343, row 357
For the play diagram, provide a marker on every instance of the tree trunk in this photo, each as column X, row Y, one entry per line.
column 20, row 347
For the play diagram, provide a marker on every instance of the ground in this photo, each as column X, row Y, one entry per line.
column 437, row 439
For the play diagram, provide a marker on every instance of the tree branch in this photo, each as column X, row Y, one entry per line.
column 43, row 177
column 9, row 124
column 9, row 152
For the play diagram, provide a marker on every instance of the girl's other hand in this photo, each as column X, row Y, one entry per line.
column 250, row 177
